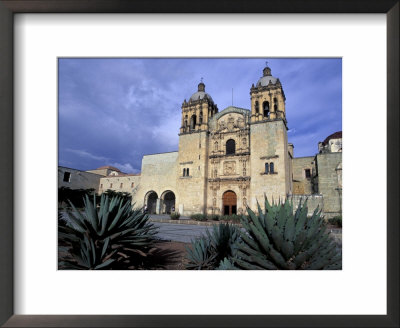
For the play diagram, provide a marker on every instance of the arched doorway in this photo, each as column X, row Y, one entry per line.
column 151, row 202
column 229, row 203
column 168, row 202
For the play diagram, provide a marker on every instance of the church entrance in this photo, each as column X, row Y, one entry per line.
column 151, row 202
column 229, row 203
column 168, row 202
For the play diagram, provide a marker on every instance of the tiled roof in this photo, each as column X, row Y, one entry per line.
column 108, row 167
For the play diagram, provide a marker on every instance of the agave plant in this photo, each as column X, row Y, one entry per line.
column 279, row 239
column 207, row 252
column 111, row 235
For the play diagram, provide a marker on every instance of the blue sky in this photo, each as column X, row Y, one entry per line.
column 114, row 111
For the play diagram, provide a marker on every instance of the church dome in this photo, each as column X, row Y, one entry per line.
column 336, row 135
column 266, row 78
column 200, row 94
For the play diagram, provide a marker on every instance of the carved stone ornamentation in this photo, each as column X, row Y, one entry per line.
column 231, row 123
column 230, row 168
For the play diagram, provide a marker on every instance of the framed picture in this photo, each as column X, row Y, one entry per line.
column 22, row 282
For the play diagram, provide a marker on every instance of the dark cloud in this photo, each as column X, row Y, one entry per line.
column 113, row 111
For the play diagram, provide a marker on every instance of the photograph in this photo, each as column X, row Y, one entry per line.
column 191, row 153
column 199, row 163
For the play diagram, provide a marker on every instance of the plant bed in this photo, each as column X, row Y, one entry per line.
column 170, row 255
column 175, row 215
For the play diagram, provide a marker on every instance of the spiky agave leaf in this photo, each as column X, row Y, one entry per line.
column 226, row 264
column 200, row 255
column 214, row 247
column 108, row 236
column 224, row 240
column 279, row 239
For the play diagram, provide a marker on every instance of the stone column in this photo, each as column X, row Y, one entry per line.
column 158, row 206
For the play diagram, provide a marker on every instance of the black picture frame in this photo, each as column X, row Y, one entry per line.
column 10, row 7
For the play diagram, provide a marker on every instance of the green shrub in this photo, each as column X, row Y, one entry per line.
column 110, row 236
column 336, row 221
column 213, row 217
column 233, row 218
column 279, row 239
column 175, row 215
column 210, row 250
column 198, row 217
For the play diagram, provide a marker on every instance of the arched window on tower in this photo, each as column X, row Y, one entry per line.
column 230, row 147
column 275, row 104
column 216, row 145
column 193, row 122
column 266, row 108
column 184, row 172
column 257, row 107
column 187, row 172
column 185, row 124
column 201, row 118
column 266, row 168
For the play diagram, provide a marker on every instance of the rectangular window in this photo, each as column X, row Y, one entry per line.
column 110, row 185
column 101, row 186
column 132, row 184
column 67, row 176
column 121, row 186
column 266, row 168
column 308, row 173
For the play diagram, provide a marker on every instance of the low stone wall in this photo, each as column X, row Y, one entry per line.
column 312, row 201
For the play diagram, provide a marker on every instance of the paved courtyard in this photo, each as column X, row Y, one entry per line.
column 180, row 232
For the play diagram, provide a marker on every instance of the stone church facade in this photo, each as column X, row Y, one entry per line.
column 228, row 160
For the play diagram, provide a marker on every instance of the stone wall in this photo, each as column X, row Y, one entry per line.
column 329, row 182
column 313, row 201
column 103, row 172
column 268, row 145
column 77, row 179
column 192, row 188
column 127, row 183
column 302, row 184
column 158, row 176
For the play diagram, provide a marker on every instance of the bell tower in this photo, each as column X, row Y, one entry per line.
column 192, row 171
column 197, row 111
column 270, row 161
column 267, row 98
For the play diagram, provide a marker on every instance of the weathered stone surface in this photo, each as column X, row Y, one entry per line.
column 301, row 183
column 77, row 179
column 329, row 177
